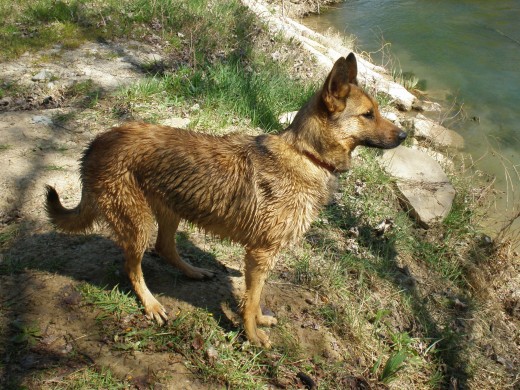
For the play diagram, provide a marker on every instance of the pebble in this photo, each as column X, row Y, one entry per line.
column 42, row 76
column 41, row 120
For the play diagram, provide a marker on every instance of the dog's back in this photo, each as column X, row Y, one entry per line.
column 242, row 187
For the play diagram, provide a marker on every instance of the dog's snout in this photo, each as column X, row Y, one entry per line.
column 402, row 136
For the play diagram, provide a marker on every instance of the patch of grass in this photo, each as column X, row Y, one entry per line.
column 53, row 167
column 35, row 25
column 248, row 91
column 85, row 94
column 113, row 302
column 91, row 378
column 25, row 335
column 74, row 378
column 8, row 234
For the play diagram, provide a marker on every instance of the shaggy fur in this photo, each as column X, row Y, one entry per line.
column 262, row 191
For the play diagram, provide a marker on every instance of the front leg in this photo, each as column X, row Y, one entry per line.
column 257, row 266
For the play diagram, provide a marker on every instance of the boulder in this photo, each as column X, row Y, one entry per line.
column 425, row 188
column 434, row 132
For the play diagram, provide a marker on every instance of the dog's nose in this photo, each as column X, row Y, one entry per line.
column 402, row 136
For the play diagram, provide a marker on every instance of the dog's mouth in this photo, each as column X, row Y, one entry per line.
column 387, row 143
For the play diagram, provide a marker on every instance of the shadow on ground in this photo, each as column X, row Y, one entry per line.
column 46, row 324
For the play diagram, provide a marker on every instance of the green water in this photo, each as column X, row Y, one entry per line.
column 467, row 51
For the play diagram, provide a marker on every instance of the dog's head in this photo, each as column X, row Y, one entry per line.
column 355, row 113
column 348, row 117
column 340, row 117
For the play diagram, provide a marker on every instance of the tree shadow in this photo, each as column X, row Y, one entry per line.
column 96, row 260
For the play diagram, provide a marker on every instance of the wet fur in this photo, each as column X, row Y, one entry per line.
column 262, row 191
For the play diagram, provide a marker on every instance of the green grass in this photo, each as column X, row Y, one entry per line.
column 53, row 167
column 218, row 356
column 35, row 25
column 226, row 92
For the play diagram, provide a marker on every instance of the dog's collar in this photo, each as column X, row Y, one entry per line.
column 319, row 162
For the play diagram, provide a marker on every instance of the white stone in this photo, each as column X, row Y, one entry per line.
column 41, row 119
column 42, row 75
column 391, row 116
column 426, row 189
column 287, row 117
column 439, row 135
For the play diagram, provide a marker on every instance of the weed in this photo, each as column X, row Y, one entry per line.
column 25, row 335
column 91, row 378
column 393, row 365
column 8, row 234
column 113, row 302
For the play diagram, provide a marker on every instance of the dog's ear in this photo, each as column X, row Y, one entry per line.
column 336, row 88
column 352, row 69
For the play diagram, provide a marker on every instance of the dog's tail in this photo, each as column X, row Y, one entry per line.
column 76, row 220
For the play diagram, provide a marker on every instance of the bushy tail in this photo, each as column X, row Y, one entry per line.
column 78, row 219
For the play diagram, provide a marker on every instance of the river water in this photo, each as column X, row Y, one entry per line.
column 464, row 52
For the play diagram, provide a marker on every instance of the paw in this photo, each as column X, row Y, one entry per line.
column 258, row 338
column 263, row 339
column 264, row 320
column 199, row 273
column 156, row 312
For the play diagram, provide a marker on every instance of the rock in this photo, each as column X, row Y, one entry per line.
column 439, row 135
column 444, row 161
column 425, row 187
column 391, row 116
column 42, row 76
column 287, row 117
column 427, row 105
column 153, row 58
column 41, row 119
column 176, row 122
column 5, row 101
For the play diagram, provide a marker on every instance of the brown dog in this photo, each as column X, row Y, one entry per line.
column 262, row 191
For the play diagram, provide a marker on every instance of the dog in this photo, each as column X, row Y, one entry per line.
column 260, row 191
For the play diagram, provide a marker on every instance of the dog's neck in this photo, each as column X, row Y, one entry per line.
column 316, row 160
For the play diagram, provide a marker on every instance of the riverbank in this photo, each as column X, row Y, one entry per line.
column 430, row 45
column 368, row 299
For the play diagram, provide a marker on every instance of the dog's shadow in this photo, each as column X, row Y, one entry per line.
column 99, row 261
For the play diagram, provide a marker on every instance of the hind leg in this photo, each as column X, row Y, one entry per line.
column 152, row 308
column 166, row 248
column 131, row 220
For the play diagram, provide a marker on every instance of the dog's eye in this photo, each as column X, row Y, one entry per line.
column 368, row 114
